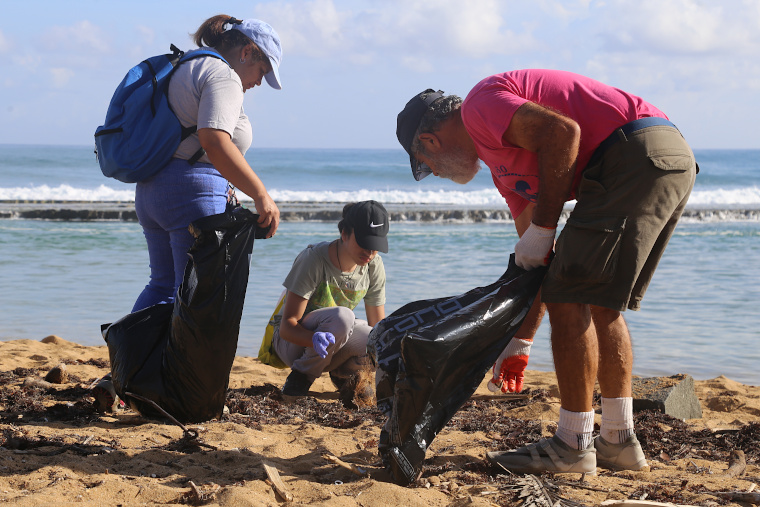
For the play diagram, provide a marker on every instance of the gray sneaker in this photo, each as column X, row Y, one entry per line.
column 546, row 455
column 625, row 456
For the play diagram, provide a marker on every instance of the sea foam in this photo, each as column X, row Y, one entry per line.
column 718, row 198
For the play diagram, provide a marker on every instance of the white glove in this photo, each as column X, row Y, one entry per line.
column 534, row 247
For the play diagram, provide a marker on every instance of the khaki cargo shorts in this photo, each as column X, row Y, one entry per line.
column 628, row 203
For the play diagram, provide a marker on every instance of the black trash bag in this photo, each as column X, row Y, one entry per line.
column 431, row 355
column 180, row 355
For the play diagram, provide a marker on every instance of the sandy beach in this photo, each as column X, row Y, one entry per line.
column 58, row 449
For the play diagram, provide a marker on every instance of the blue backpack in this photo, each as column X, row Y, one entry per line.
column 141, row 132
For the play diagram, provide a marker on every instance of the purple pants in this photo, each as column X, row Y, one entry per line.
column 166, row 204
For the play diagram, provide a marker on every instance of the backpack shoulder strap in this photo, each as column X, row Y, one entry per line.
column 186, row 57
column 200, row 53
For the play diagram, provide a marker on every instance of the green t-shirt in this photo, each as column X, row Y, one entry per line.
column 313, row 277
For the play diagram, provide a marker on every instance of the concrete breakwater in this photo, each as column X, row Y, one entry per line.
column 320, row 212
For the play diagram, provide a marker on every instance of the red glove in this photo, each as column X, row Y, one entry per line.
column 509, row 369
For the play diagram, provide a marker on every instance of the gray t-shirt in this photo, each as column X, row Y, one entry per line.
column 314, row 277
column 206, row 92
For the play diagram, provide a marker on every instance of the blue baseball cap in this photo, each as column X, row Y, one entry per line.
column 268, row 41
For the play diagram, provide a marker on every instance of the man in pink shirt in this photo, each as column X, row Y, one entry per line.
column 549, row 137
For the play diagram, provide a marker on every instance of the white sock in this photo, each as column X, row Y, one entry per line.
column 617, row 419
column 575, row 428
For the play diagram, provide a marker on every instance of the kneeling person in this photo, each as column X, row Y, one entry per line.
column 318, row 330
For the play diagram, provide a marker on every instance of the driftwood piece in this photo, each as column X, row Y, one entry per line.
column 737, row 464
column 502, row 396
column 196, row 493
column 37, row 382
column 277, row 484
column 349, row 466
column 739, row 496
column 638, row 503
column 576, row 485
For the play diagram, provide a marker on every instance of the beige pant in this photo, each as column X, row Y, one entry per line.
column 344, row 358
column 628, row 204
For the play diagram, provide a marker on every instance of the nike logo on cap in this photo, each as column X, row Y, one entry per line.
column 378, row 225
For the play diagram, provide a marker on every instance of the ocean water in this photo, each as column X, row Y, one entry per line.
column 701, row 315
column 729, row 179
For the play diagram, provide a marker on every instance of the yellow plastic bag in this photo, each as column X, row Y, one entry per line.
column 267, row 355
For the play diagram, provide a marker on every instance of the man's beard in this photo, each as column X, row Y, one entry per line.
column 458, row 166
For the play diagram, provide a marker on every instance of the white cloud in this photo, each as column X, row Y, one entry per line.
column 477, row 29
column 313, row 28
column 27, row 60
column 142, row 42
column 82, row 37
column 565, row 10
column 471, row 28
column 682, row 26
column 61, row 76
column 146, row 35
column 692, row 58
column 679, row 53
column 5, row 44
column 417, row 64
column 406, row 30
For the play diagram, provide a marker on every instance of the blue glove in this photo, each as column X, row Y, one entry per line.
column 322, row 340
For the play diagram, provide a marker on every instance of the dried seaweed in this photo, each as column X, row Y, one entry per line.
column 76, row 393
column 488, row 416
column 8, row 377
column 17, row 440
column 505, row 489
column 100, row 363
column 22, row 400
column 664, row 436
column 657, row 493
column 265, row 405
column 26, row 372
column 34, row 403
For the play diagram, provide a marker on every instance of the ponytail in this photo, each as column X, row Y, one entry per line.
column 216, row 32
column 344, row 225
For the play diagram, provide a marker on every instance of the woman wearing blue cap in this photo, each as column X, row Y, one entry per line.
column 314, row 328
column 207, row 92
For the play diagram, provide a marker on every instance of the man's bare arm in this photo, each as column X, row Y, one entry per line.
column 555, row 140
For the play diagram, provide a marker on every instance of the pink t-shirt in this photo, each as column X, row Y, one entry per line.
column 598, row 109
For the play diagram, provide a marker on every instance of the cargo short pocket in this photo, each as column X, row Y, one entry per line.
column 588, row 249
column 674, row 160
column 666, row 148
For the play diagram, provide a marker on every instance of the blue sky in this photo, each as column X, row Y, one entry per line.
column 349, row 66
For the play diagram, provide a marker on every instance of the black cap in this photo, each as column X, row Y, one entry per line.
column 370, row 223
column 408, row 121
